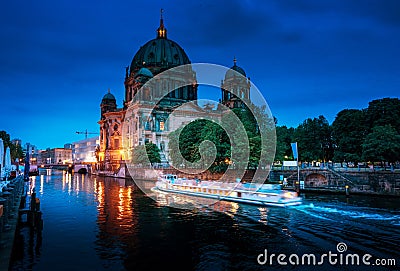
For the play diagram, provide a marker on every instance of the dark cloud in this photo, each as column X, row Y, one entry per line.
column 383, row 11
column 215, row 24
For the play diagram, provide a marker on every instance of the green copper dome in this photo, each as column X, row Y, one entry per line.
column 108, row 97
column 159, row 53
column 232, row 71
column 163, row 53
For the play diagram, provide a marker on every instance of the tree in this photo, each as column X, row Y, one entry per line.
column 216, row 134
column 143, row 154
column 382, row 112
column 153, row 152
column 229, row 149
column 382, row 145
column 314, row 139
column 284, row 136
column 16, row 151
column 348, row 133
column 190, row 138
column 173, row 145
column 260, row 129
column 6, row 138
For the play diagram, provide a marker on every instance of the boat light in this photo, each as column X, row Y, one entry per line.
column 289, row 195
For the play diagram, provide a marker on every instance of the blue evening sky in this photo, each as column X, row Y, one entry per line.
column 58, row 58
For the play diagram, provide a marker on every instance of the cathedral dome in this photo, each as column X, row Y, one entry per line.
column 108, row 97
column 159, row 53
column 232, row 71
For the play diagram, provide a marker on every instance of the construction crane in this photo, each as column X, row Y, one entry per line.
column 86, row 133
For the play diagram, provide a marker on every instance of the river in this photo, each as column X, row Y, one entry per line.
column 95, row 223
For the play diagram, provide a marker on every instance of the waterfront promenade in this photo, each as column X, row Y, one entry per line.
column 11, row 193
column 337, row 179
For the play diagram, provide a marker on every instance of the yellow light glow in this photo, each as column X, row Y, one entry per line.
column 289, row 195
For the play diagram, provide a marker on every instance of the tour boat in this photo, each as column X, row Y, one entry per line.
column 266, row 194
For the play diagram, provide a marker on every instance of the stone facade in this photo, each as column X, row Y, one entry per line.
column 142, row 119
column 55, row 156
column 235, row 87
column 358, row 182
column 84, row 151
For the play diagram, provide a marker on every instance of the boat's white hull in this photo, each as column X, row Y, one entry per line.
column 271, row 201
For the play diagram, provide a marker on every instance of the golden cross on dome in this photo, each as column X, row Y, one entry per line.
column 161, row 31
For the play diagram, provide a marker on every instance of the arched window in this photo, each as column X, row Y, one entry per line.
column 180, row 93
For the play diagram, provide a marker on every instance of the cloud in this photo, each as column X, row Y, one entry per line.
column 383, row 11
column 213, row 23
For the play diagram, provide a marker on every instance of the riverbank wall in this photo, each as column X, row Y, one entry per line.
column 325, row 180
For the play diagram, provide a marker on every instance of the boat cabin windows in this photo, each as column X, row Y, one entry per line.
column 170, row 177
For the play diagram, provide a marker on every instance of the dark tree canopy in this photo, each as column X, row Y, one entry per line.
column 314, row 140
column 143, row 154
column 382, row 144
column 348, row 133
column 190, row 138
column 383, row 112
column 194, row 133
column 284, row 137
column 16, row 151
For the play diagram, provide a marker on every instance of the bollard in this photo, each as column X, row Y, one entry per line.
column 297, row 187
column 23, row 202
column 8, row 205
column 37, row 204
column 347, row 190
column 33, row 201
column 38, row 221
column 1, row 218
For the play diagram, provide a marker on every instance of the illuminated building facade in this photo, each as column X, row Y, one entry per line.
column 139, row 120
column 55, row 156
column 84, row 151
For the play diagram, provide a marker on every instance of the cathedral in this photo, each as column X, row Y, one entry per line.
column 139, row 121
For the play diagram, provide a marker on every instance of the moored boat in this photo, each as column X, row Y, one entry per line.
column 265, row 194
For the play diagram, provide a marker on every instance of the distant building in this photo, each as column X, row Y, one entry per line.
column 33, row 153
column 68, row 146
column 55, row 156
column 84, row 151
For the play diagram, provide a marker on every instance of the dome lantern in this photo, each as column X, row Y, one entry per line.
column 161, row 31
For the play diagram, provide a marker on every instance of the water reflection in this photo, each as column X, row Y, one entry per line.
column 263, row 215
column 92, row 223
